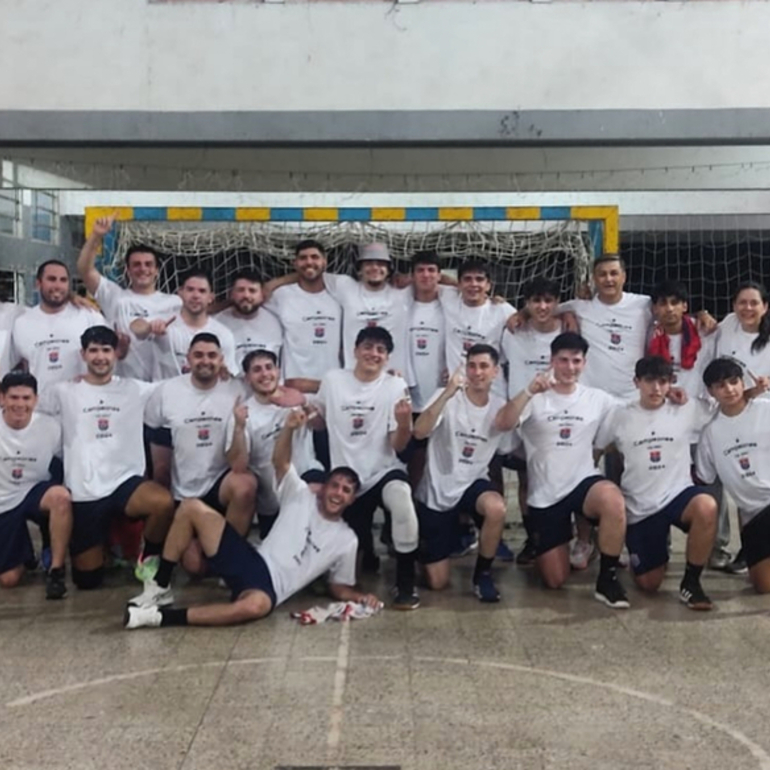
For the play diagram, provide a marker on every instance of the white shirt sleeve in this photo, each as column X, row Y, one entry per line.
column 108, row 295
column 338, row 285
column 343, row 571
column 153, row 410
column 705, row 468
column 290, row 485
column 49, row 401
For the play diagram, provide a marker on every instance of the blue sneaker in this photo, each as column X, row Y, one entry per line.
column 485, row 589
column 466, row 543
column 45, row 559
column 504, row 553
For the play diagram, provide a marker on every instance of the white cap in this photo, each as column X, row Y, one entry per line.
column 376, row 252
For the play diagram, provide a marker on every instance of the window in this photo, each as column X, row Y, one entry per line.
column 10, row 202
column 45, row 221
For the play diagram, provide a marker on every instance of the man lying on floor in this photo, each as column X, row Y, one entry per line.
column 308, row 539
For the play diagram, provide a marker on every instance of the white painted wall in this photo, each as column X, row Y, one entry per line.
column 131, row 55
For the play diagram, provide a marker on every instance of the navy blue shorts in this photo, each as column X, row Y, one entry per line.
column 15, row 543
column 438, row 529
column 647, row 540
column 91, row 520
column 552, row 526
column 211, row 498
column 241, row 566
column 755, row 538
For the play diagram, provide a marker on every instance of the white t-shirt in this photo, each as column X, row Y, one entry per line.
column 198, row 422
column 425, row 341
column 388, row 308
column 263, row 425
column 655, row 444
column 102, row 433
column 25, row 457
column 468, row 325
column 312, row 331
column 303, row 545
column 262, row 332
column 360, row 417
column 528, row 352
column 737, row 450
column 172, row 347
column 121, row 307
column 734, row 342
column 50, row 342
column 461, row 446
column 559, row 433
column 9, row 312
column 692, row 379
column 617, row 338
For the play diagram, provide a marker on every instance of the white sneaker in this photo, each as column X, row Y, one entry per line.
column 581, row 554
column 153, row 596
column 142, row 617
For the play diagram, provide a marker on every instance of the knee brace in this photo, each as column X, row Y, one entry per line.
column 87, row 580
column 397, row 498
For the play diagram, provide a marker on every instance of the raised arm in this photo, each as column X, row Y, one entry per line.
column 426, row 422
column 276, row 283
column 282, row 449
column 508, row 417
column 86, row 263
column 238, row 452
column 399, row 438
column 142, row 328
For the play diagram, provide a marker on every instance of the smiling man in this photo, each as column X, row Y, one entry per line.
column 654, row 438
column 459, row 423
column 47, row 336
column 559, row 419
column 29, row 441
column 309, row 539
column 369, row 418
column 104, row 459
column 121, row 306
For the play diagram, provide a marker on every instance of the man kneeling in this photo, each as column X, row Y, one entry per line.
column 308, row 539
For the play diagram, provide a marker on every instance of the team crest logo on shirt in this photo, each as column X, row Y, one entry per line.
column 422, row 343
column 17, row 473
column 53, row 356
column 320, row 331
column 467, row 345
column 203, row 434
column 468, row 450
column 655, row 455
column 371, row 323
column 615, row 338
column 744, row 463
column 358, row 422
column 103, row 423
column 565, row 433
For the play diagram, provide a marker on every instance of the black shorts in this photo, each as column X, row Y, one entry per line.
column 755, row 538
column 438, row 529
column 552, row 526
column 241, row 567
column 513, row 462
column 91, row 520
column 647, row 540
column 211, row 498
column 360, row 514
column 15, row 543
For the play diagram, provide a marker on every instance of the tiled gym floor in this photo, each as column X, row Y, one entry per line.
column 542, row 680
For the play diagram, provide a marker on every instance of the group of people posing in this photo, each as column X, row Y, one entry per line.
column 307, row 403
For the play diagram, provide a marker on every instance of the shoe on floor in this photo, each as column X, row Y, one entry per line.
column 55, row 587
column 485, row 588
column 695, row 597
column 504, row 553
column 609, row 591
column 153, row 596
column 405, row 600
column 466, row 543
column 141, row 617
column 527, row 555
column 720, row 560
column 581, row 554
column 738, row 565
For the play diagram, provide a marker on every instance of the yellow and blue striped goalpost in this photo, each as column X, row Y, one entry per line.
column 495, row 230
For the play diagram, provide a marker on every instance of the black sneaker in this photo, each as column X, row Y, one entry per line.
column 405, row 600
column 695, row 597
column 738, row 565
column 55, row 587
column 526, row 556
column 609, row 591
